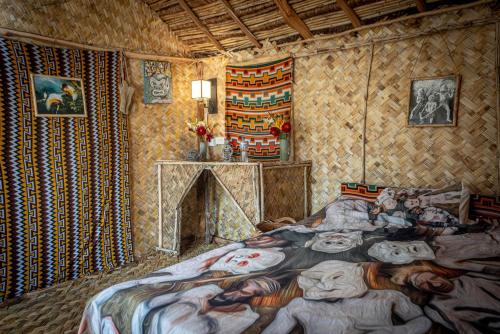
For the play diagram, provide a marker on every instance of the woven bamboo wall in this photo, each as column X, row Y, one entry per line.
column 106, row 23
column 216, row 68
column 328, row 114
column 157, row 132
column 329, row 102
column 434, row 156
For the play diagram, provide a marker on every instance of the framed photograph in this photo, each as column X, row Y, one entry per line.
column 55, row 96
column 434, row 101
column 157, row 82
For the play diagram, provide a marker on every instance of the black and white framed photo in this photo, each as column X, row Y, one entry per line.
column 433, row 101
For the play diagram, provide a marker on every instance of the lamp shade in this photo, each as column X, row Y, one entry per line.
column 200, row 89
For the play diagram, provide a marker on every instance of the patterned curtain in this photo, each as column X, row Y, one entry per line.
column 64, row 186
column 252, row 92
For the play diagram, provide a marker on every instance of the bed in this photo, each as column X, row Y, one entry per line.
column 377, row 260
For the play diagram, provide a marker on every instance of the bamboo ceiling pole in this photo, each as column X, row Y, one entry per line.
column 140, row 55
column 389, row 39
column 60, row 42
column 384, row 23
column 365, row 111
column 400, row 37
column 49, row 40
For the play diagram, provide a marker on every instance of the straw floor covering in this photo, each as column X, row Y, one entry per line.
column 58, row 309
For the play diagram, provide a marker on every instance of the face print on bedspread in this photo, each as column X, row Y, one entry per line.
column 335, row 242
column 331, row 280
column 401, row 252
column 386, row 199
column 246, row 260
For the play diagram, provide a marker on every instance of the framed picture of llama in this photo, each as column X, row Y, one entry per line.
column 55, row 96
column 434, row 101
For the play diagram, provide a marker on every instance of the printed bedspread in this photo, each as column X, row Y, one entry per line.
column 319, row 278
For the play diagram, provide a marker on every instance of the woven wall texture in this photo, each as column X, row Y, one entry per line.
column 329, row 100
column 119, row 23
column 281, row 185
column 157, row 132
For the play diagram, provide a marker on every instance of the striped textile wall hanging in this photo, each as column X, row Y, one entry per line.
column 251, row 92
column 64, row 186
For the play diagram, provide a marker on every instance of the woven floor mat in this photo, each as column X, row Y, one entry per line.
column 58, row 309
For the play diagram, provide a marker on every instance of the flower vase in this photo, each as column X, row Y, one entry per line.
column 203, row 150
column 284, row 147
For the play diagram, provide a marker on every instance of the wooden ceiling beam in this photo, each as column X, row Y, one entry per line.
column 349, row 12
column 420, row 5
column 200, row 24
column 242, row 26
column 292, row 19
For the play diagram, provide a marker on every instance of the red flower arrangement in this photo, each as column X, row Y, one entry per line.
column 202, row 130
column 278, row 127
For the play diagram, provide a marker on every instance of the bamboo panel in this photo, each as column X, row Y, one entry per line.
column 216, row 201
column 300, row 7
column 176, row 180
column 158, row 5
column 242, row 4
column 100, row 23
column 239, row 180
column 211, row 10
column 284, row 186
column 231, row 224
column 434, row 156
column 328, row 105
column 210, row 202
column 325, row 20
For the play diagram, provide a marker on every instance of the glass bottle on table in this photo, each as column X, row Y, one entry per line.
column 244, row 150
column 227, row 152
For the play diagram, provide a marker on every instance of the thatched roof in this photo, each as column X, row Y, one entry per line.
column 211, row 26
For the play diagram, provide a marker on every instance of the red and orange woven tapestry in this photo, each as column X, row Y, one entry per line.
column 252, row 92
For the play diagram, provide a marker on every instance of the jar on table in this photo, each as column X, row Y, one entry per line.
column 244, row 150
